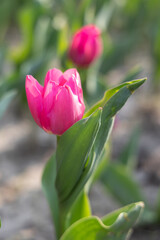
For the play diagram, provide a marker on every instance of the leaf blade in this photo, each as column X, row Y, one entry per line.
column 48, row 187
column 93, row 228
column 76, row 143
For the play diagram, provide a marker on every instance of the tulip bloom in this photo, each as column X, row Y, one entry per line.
column 86, row 46
column 59, row 104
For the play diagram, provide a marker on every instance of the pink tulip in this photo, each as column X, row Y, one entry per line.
column 86, row 46
column 59, row 104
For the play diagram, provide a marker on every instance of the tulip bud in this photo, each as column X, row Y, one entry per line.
column 86, row 46
column 59, row 104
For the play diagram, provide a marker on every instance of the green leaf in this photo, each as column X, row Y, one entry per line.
column 84, row 143
column 84, row 5
column 87, row 228
column 128, row 155
column 129, row 89
column 80, row 209
column 5, row 100
column 40, row 35
column 110, row 218
column 104, row 15
column 72, row 153
column 127, row 219
column 114, row 226
column 62, row 45
column 36, row 64
column 6, row 10
column 119, row 182
column 113, row 101
column 48, row 186
column 27, row 16
column 93, row 87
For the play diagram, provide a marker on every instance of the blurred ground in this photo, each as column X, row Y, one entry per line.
column 24, row 149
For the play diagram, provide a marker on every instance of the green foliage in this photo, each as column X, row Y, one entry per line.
column 127, row 190
column 26, row 19
column 6, row 8
column 122, row 88
column 77, row 156
column 48, row 184
column 5, row 100
column 80, row 209
column 44, row 30
column 72, row 154
column 114, row 226
column 129, row 153
column 120, row 183
column 116, row 53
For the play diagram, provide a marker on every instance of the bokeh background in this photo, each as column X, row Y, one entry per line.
column 34, row 36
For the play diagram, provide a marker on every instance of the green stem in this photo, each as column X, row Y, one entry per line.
column 62, row 221
column 58, row 138
column 83, row 75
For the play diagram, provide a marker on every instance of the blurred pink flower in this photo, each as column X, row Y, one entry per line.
column 86, row 46
column 59, row 104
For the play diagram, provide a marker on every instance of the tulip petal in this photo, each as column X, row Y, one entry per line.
column 74, row 82
column 53, row 75
column 66, row 111
column 72, row 74
column 58, row 105
column 49, row 98
column 34, row 93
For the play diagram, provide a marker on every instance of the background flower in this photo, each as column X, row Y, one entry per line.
column 86, row 46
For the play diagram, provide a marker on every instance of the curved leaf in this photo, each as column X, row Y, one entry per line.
column 80, row 139
column 114, row 226
column 72, row 153
column 132, row 85
column 113, row 101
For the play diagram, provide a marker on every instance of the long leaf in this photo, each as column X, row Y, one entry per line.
column 109, row 93
column 72, row 153
column 128, row 154
column 114, row 226
column 119, row 182
column 48, row 185
column 112, row 102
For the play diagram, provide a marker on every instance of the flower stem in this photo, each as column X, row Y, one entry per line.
column 62, row 222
